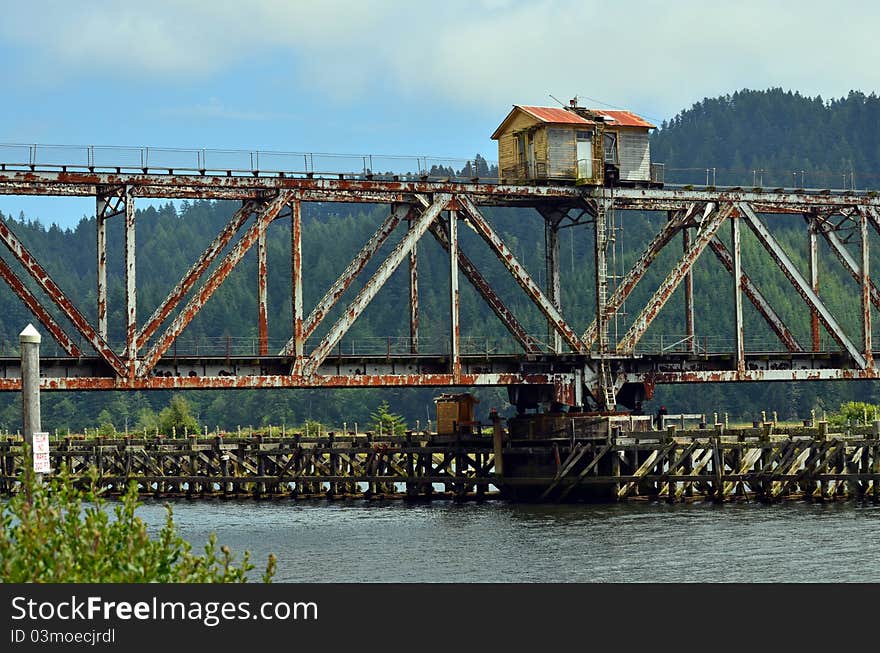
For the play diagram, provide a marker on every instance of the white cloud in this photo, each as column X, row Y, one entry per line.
column 653, row 56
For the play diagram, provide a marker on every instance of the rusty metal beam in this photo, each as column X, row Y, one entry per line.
column 48, row 286
column 264, row 216
column 335, row 292
column 688, row 292
column 454, row 300
column 34, row 306
column 131, row 348
column 413, row 297
column 866, row 287
column 640, row 325
column 637, row 271
column 525, row 281
column 166, row 185
column 554, row 288
column 800, row 284
column 846, row 258
column 262, row 295
column 296, row 299
column 739, row 328
column 502, row 312
column 101, row 238
column 757, row 298
column 368, row 292
column 812, row 235
column 195, row 272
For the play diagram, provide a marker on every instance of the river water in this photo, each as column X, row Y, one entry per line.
column 356, row 541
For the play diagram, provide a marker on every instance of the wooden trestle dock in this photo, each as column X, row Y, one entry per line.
column 606, row 462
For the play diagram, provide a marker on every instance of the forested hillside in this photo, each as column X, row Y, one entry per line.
column 770, row 130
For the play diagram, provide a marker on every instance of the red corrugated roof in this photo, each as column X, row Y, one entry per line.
column 623, row 118
column 553, row 114
column 560, row 116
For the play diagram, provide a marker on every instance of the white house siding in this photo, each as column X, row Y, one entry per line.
column 635, row 155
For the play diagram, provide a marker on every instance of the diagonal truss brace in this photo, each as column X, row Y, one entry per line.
column 757, row 298
column 368, row 292
column 706, row 232
column 800, row 284
column 844, row 256
column 635, row 274
column 504, row 314
column 264, row 216
column 335, row 292
column 195, row 272
column 35, row 307
column 525, row 281
column 48, row 286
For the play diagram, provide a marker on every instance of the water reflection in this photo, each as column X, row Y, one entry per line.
column 444, row 541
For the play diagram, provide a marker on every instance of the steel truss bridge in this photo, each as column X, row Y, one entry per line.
column 571, row 368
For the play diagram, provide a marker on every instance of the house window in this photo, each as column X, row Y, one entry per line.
column 611, row 148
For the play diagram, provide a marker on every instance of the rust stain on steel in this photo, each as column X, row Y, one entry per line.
column 84, row 183
column 262, row 300
column 800, row 284
column 331, row 297
column 382, row 274
column 37, row 309
column 472, row 274
column 194, row 273
column 757, row 298
column 47, row 285
column 454, row 296
column 264, row 216
column 414, row 298
column 525, row 281
column 637, row 271
column 296, row 299
column 131, row 347
column 708, row 228
column 729, row 376
column 288, row 381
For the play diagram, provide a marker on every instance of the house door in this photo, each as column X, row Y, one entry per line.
column 585, row 155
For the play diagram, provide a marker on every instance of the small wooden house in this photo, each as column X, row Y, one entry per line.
column 574, row 144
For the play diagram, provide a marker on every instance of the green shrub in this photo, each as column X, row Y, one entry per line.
column 386, row 422
column 54, row 532
column 853, row 412
column 177, row 416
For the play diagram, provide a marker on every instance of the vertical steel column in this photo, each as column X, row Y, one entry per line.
column 688, row 290
column 101, row 226
column 813, row 233
column 455, row 329
column 866, row 288
column 413, row 297
column 262, row 300
column 737, row 294
column 551, row 257
column 130, row 286
column 296, row 277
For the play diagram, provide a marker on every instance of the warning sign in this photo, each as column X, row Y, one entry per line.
column 42, row 464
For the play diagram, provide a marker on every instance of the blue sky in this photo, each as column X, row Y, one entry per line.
column 387, row 77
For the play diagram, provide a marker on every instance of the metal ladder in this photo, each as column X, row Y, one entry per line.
column 606, row 382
